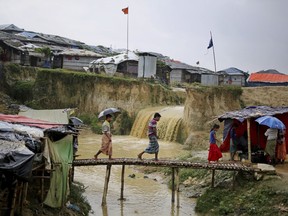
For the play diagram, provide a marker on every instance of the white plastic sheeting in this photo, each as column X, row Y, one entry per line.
column 109, row 64
column 32, row 131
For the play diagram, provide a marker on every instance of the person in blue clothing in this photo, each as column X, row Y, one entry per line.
column 233, row 142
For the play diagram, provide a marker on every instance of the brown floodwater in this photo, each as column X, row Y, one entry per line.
column 144, row 196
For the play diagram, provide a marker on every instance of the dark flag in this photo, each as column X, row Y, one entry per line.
column 210, row 44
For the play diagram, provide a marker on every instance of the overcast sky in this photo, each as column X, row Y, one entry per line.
column 251, row 35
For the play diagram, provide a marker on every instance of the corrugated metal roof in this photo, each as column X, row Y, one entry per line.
column 13, row 43
column 174, row 64
column 268, row 78
column 199, row 70
column 27, row 34
column 7, row 27
column 253, row 112
column 232, row 71
column 78, row 52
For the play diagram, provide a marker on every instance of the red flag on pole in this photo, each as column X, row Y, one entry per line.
column 125, row 10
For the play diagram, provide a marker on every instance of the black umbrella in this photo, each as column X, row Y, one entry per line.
column 107, row 111
column 76, row 121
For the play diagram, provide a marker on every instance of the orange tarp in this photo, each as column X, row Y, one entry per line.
column 266, row 77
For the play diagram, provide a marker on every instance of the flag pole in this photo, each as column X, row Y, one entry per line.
column 127, row 31
column 213, row 53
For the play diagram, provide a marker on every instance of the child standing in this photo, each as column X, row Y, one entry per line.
column 214, row 152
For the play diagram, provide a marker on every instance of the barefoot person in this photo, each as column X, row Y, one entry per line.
column 214, row 152
column 153, row 147
column 106, row 147
column 233, row 142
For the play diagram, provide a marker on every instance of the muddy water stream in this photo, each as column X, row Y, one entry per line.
column 144, row 196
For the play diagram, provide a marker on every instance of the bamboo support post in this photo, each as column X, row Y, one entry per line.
column 173, row 185
column 14, row 199
column 42, row 186
column 20, row 191
column 107, row 177
column 213, row 178
column 23, row 197
column 73, row 168
column 122, row 182
column 177, row 187
column 249, row 139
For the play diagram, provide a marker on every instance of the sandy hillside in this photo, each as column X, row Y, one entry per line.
column 269, row 96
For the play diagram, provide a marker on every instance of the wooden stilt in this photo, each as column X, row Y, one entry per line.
column 42, row 186
column 122, row 182
column 23, row 197
column 173, row 185
column 177, row 187
column 107, row 177
column 249, row 139
column 20, row 191
column 14, row 199
column 213, row 178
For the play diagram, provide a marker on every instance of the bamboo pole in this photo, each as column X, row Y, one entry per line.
column 249, row 140
column 20, row 191
column 213, row 177
column 42, row 186
column 122, row 182
column 173, row 185
column 177, row 187
column 23, row 198
column 107, row 177
column 14, row 199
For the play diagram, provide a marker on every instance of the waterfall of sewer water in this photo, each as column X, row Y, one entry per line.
column 168, row 127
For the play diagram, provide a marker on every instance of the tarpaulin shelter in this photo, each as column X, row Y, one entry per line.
column 249, row 128
column 16, row 129
column 17, row 158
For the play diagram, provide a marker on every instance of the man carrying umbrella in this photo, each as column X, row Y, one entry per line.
column 274, row 125
column 106, row 147
column 271, row 134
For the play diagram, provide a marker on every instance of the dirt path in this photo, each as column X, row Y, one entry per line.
column 282, row 170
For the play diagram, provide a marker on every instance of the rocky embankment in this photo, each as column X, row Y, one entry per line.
column 90, row 93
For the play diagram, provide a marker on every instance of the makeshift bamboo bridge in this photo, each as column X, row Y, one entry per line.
column 175, row 165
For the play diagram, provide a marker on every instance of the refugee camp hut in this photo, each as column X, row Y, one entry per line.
column 124, row 64
column 22, row 50
column 10, row 46
column 147, row 65
column 250, row 135
column 184, row 73
column 74, row 59
column 267, row 78
column 231, row 76
column 34, row 153
column 10, row 28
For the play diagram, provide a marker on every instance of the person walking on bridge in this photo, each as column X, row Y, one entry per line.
column 153, row 147
column 106, row 147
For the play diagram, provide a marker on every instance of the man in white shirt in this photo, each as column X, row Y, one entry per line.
column 271, row 134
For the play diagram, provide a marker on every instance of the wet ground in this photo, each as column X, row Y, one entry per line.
column 144, row 194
